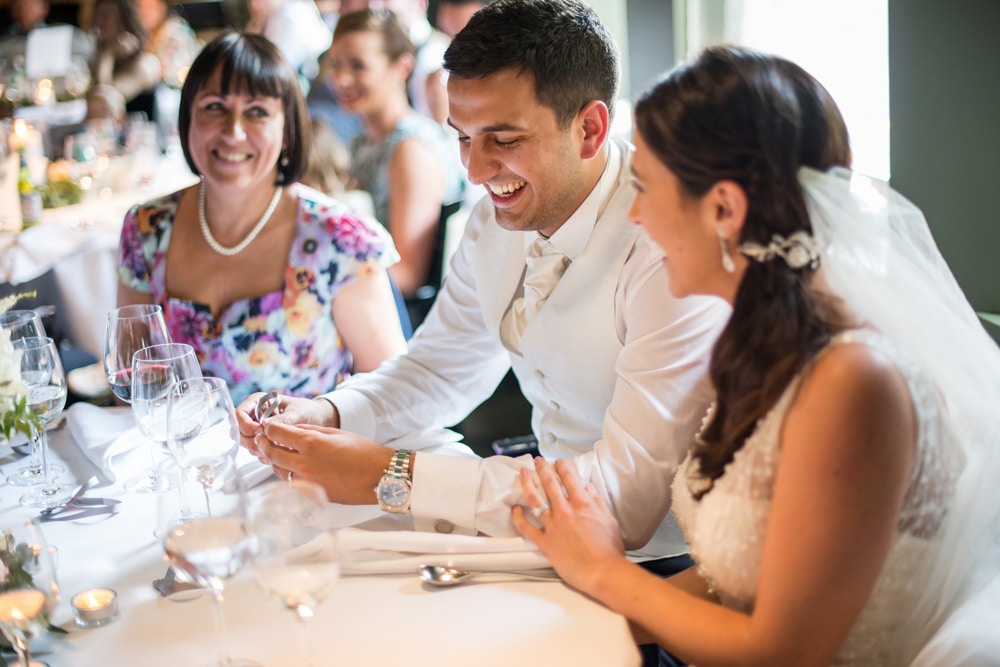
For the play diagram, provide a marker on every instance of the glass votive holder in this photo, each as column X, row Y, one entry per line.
column 95, row 607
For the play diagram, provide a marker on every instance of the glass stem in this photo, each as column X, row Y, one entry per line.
column 218, row 598
column 304, row 613
column 20, row 641
column 34, row 451
column 43, row 448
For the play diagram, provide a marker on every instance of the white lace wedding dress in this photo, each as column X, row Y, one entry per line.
column 726, row 528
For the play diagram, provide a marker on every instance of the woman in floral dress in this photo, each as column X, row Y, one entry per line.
column 274, row 284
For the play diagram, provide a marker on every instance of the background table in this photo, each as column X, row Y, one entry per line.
column 366, row 621
column 79, row 245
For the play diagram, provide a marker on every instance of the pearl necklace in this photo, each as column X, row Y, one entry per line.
column 241, row 246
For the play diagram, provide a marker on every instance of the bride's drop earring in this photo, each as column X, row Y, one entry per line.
column 727, row 260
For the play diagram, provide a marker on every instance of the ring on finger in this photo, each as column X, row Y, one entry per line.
column 537, row 512
column 290, row 475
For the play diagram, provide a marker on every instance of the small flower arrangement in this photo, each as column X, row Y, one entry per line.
column 17, row 560
column 15, row 415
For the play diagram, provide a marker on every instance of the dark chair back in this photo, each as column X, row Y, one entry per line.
column 420, row 303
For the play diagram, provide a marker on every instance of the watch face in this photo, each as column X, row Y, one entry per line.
column 393, row 493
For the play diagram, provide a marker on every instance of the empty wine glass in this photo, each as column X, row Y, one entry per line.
column 202, row 431
column 155, row 371
column 42, row 374
column 28, row 587
column 208, row 538
column 130, row 328
column 27, row 324
column 297, row 561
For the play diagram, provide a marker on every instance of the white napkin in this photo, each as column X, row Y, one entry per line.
column 403, row 551
column 109, row 438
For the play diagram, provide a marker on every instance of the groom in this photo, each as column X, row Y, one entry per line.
column 613, row 366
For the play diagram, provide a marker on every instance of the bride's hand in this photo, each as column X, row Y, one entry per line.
column 578, row 534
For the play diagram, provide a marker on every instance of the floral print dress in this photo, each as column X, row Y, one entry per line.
column 284, row 340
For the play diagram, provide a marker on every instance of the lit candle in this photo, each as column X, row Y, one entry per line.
column 95, row 607
column 20, row 605
column 19, row 138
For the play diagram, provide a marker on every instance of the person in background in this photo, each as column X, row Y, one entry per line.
column 171, row 40
column 296, row 28
column 452, row 15
column 120, row 60
column 429, row 43
column 273, row 283
column 322, row 103
column 28, row 15
column 25, row 16
column 403, row 158
column 550, row 278
column 841, row 498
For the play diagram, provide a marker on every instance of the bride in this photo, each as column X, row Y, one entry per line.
column 841, row 499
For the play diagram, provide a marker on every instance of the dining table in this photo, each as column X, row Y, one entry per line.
column 382, row 615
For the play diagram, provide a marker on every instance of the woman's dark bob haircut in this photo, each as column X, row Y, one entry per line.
column 251, row 64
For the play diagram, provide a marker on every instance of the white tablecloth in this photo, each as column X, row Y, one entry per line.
column 367, row 621
column 79, row 244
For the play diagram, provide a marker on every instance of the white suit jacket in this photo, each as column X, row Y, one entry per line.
column 613, row 366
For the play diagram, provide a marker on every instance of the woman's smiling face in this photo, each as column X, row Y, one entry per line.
column 362, row 76
column 235, row 140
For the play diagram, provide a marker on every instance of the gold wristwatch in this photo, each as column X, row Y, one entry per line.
column 393, row 490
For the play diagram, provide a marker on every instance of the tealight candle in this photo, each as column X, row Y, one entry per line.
column 97, row 606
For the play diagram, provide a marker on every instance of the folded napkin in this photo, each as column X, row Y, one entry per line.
column 108, row 438
column 403, row 551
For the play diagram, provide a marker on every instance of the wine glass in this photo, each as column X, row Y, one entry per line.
column 202, row 432
column 27, row 324
column 297, row 561
column 42, row 374
column 208, row 539
column 130, row 328
column 28, row 587
column 155, row 371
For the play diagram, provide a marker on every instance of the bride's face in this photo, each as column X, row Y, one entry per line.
column 681, row 225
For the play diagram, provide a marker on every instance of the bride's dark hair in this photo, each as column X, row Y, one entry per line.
column 734, row 114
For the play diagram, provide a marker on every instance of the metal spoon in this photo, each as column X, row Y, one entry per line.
column 440, row 575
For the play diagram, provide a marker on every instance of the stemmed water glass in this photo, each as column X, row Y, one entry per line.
column 155, row 371
column 42, row 374
column 298, row 561
column 202, row 432
column 130, row 328
column 27, row 324
column 208, row 538
column 28, row 587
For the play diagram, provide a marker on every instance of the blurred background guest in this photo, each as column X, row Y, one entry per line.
column 170, row 39
column 452, row 15
column 26, row 15
column 296, row 28
column 323, row 105
column 403, row 159
column 121, row 60
column 274, row 284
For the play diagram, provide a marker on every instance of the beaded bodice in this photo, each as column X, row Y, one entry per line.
column 726, row 528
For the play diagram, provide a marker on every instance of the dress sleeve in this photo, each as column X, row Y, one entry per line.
column 357, row 246
column 134, row 270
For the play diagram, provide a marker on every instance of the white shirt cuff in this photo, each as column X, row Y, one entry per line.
column 356, row 414
column 444, row 494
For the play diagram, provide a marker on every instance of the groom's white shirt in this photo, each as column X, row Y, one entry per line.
column 613, row 365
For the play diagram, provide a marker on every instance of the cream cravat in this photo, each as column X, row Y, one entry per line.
column 545, row 266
